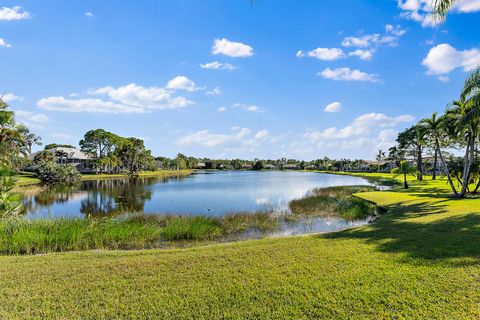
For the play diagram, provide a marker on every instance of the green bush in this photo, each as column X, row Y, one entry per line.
column 51, row 173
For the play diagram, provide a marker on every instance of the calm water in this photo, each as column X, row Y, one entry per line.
column 202, row 193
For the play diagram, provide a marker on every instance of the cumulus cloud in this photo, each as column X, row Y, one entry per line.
column 333, row 107
column 3, row 43
column 215, row 92
column 130, row 98
column 14, row 13
column 218, row 65
column 370, row 40
column 89, row 14
column 238, row 139
column 30, row 119
column 231, row 49
column 444, row 58
column 363, row 135
column 362, row 54
column 205, row 138
column 326, row 54
column 347, row 74
column 9, row 97
column 221, row 109
column 248, row 107
column 182, row 83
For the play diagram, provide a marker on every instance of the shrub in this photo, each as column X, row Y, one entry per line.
column 51, row 173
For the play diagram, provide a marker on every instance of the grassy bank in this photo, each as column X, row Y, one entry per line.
column 139, row 231
column 134, row 231
column 29, row 179
column 334, row 201
column 419, row 261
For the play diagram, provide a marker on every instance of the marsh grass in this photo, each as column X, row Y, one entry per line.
column 334, row 202
column 141, row 231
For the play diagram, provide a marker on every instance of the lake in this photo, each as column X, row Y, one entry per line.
column 203, row 193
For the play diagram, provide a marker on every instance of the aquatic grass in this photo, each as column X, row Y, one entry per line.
column 334, row 202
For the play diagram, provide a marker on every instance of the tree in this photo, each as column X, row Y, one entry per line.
column 99, row 144
column 30, row 139
column 380, row 157
column 405, row 169
column 433, row 127
column 180, row 162
column 12, row 141
column 133, row 155
column 412, row 140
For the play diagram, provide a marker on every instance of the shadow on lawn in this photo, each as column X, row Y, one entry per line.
column 454, row 240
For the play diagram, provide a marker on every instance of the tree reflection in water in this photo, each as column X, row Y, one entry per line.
column 116, row 196
column 98, row 198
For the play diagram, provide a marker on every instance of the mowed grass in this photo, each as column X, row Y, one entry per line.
column 419, row 261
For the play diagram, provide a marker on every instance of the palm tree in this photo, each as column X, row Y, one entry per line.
column 380, row 157
column 11, row 138
column 405, row 169
column 434, row 126
column 31, row 139
column 463, row 124
column 441, row 8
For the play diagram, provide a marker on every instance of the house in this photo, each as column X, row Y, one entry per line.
column 247, row 166
column 290, row 166
column 269, row 167
column 72, row 156
column 201, row 165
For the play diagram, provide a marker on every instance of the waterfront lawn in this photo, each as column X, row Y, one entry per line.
column 419, row 261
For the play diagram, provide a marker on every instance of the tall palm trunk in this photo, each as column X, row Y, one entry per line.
column 419, row 163
column 435, row 163
column 467, row 162
column 444, row 165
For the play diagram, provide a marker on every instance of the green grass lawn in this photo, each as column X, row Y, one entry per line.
column 419, row 261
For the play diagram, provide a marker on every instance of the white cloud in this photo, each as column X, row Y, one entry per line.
column 218, row 65
column 347, row 74
column 205, row 138
column 14, row 13
column 89, row 14
column 61, row 136
column 9, row 97
column 444, row 58
column 395, row 30
column 248, row 108
column 369, row 40
column 85, row 105
column 3, row 43
column 181, row 83
column 30, row 119
column 130, row 98
column 215, row 92
column 238, row 139
column 333, row 107
column 221, row 109
column 231, row 49
column 138, row 97
column 362, row 54
column 326, row 54
column 362, row 136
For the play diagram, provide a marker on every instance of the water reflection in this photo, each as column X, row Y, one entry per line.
column 213, row 194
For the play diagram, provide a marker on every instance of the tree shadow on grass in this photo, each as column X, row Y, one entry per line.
column 454, row 240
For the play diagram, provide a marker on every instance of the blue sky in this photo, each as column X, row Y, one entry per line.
column 226, row 79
